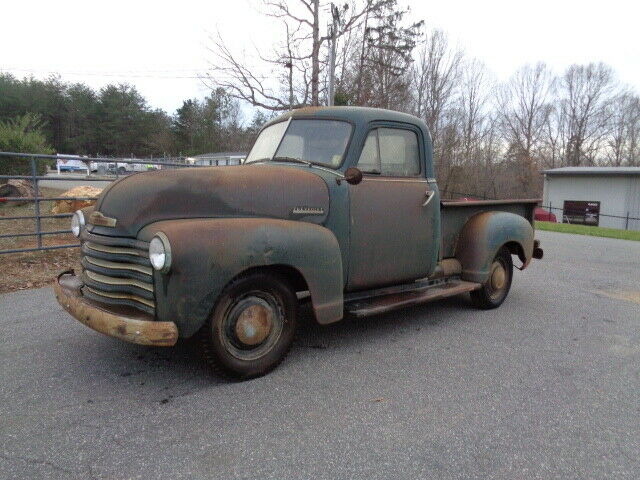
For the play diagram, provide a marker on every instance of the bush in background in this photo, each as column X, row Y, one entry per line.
column 22, row 134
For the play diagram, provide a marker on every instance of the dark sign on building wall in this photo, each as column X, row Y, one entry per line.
column 583, row 213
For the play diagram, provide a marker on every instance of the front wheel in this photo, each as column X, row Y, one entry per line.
column 252, row 326
column 493, row 292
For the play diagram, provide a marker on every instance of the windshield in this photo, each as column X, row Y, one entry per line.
column 317, row 141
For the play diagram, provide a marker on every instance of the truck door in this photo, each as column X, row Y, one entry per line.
column 392, row 212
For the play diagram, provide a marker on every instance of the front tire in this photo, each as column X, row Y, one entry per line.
column 493, row 292
column 252, row 326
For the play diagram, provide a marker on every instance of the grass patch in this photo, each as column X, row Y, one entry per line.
column 588, row 230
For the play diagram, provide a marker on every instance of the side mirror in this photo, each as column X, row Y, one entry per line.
column 353, row 176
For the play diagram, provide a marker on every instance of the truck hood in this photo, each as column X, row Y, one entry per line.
column 263, row 190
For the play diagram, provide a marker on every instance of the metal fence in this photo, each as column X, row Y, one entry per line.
column 110, row 175
column 562, row 218
column 557, row 211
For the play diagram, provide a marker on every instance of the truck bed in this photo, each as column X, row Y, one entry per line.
column 454, row 215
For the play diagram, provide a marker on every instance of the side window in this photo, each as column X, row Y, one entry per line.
column 369, row 162
column 398, row 152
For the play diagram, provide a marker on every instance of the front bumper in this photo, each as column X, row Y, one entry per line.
column 129, row 327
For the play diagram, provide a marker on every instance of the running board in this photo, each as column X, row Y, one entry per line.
column 363, row 307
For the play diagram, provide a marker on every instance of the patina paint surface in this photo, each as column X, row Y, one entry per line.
column 269, row 191
column 455, row 215
column 392, row 233
column 208, row 253
column 484, row 234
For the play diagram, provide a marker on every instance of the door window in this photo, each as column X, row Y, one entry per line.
column 391, row 152
column 369, row 161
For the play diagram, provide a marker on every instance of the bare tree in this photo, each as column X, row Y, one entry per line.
column 586, row 93
column 465, row 133
column 472, row 103
column 624, row 130
column 436, row 79
column 300, row 53
column 524, row 106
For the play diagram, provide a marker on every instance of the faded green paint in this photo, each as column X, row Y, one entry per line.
column 484, row 234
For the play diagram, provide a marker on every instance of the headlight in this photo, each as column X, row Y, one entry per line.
column 160, row 252
column 77, row 223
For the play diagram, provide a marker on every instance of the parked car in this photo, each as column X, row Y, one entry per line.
column 71, row 163
column 123, row 168
column 338, row 207
column 543, row 215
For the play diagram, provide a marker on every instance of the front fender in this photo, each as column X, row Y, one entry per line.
column 484, row 234
column 208, row 253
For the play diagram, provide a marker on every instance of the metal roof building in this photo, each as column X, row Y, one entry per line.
column 220, row 158
column 602, row 196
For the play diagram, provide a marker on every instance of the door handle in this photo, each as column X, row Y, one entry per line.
column 430, row 195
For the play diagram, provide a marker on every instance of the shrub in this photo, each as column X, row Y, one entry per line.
column 22, row 134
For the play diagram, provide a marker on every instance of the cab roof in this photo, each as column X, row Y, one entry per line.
column 357, row 115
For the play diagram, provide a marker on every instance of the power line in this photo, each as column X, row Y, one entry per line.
column 129, row 75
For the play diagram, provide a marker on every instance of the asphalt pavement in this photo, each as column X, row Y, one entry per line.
column 64, row 182
column 547, row 386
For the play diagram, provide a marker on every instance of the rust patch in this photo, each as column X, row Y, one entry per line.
column 143, row 332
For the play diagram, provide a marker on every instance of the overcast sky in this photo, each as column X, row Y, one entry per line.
column 148, row 43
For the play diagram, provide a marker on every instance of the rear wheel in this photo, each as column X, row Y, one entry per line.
column 252, row 326
column 496, row 288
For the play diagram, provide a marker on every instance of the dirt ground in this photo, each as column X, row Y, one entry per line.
column 19, row 271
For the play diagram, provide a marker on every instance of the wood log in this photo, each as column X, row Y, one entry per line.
column 17, row 188
column 70, row 206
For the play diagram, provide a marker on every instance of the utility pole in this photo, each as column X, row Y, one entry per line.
column 289, row 65
column 333, row 27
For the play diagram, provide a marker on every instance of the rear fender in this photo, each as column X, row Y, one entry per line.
column 484, row 234
column 208, row 253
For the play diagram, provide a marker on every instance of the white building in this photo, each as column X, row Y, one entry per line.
column 218, row 159
column 603, row 196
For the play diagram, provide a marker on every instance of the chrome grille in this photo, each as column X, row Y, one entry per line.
column 117, row 271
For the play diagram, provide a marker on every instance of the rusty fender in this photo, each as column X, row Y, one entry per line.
column 484, row 234
column 208, row 253
column 130, row 329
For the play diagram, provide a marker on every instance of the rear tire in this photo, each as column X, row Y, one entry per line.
column 494, row 291
column 252, row 326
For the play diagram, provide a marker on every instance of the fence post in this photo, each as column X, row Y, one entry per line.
column 36, row 202
column 626, row 225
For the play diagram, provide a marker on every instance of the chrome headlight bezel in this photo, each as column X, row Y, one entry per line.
column 77, row 223
column 160, row 253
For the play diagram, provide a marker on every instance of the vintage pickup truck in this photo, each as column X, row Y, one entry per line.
column 337, row 206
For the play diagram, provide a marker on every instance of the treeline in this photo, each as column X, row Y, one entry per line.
column 118, row 121
column 491, row 139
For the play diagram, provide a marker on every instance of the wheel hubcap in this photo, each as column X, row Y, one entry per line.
column 498, row 276
column 254, row 324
